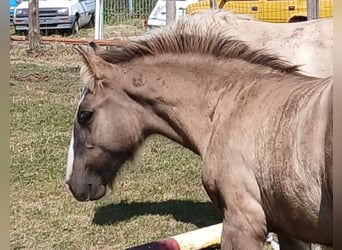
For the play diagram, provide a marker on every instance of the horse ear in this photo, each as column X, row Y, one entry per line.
column 94, row 46
column 95, row 64
column 96, row 70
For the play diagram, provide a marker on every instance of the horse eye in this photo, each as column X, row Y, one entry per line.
column 84, row 117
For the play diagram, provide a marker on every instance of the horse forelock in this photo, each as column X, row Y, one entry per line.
column 179, row 40
column 89, row 80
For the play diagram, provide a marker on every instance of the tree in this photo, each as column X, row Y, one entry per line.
column 34, row 29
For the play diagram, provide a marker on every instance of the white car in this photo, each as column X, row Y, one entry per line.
column 66, row 15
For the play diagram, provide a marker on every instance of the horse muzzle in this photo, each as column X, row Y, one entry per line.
column 87, row 191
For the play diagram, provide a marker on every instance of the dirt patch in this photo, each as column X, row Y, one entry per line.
column 31, row 77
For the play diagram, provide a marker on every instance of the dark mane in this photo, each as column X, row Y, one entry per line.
column 216, row 45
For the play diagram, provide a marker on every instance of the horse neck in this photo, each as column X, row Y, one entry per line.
column 180, row 100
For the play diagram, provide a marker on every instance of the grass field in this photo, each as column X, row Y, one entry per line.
column 158, row 195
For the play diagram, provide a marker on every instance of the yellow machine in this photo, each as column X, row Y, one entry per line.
column 277, row 11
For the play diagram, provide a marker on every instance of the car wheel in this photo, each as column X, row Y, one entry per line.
column 75, row 27
column 298, row 19
column 91, row 23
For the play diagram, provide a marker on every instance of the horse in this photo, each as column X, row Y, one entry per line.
column 262, row 129
column 309, row 44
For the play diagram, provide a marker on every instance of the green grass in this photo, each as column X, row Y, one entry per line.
column 158, row 195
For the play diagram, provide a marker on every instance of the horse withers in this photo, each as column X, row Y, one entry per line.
column 262, row 129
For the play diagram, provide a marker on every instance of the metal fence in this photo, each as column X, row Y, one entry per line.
column 268, row 10
column 126, row 11
column 130, row 11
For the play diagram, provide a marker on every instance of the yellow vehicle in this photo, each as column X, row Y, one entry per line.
column 277, row 11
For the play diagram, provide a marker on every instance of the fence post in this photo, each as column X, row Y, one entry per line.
column 34, row 26
column 130, row 7
column 170, row 11
column 99, row 19
column 313, row 9
column 213, row 4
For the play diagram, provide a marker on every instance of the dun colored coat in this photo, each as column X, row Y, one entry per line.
column 262, row 130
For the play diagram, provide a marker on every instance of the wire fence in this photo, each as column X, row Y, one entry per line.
column 127, row 17
column 127, row 11
column 135, row 11
column 268, row 10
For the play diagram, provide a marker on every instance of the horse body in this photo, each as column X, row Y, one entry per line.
column 257, row 146
column 263, row 131
column 269, row 175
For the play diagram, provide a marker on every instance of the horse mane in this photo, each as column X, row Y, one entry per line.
column 188, row 36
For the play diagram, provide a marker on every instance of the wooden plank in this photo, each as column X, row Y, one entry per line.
column 194, row 240
column 75, row 41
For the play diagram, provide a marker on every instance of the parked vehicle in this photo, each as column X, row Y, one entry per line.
column 13, row 5
column 157, row 18
column 281, row 11
column 66, row 15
